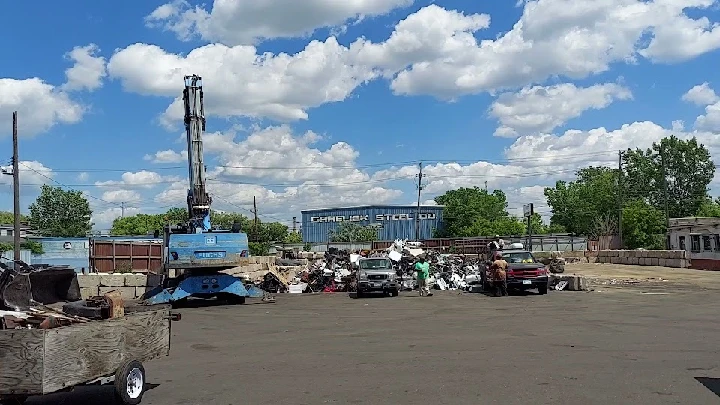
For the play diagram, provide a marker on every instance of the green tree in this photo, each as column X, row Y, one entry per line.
column 33, row 246
column 684, row 166
column 539, row 227
column 351, row 232
column 259, row 248
column 225, row 220
column 7, row 218
column 140, row 224
column 476, row 212
column 577, row 205
column 293, row 237
column 709, row 208
column 643, row 226
column 61, row 213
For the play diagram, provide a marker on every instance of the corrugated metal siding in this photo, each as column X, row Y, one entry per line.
column 138, row 254
column 318, row 232
column 9, row 256
column 71, row 252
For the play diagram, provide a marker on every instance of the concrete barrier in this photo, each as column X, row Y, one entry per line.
column 130, row 285
column 574, row 282
column 664, row 258
column 134, row 285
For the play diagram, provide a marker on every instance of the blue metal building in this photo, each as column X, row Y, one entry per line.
column 393, row 221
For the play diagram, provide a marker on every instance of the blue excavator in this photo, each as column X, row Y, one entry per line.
column 194, row 251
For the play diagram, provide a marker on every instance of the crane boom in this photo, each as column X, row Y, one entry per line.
column 198, row 200
column 197, row 253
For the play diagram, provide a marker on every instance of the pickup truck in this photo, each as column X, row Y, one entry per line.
column 376, row 274
column 524, row 272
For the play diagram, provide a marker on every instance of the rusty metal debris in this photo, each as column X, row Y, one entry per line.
column 22, row 286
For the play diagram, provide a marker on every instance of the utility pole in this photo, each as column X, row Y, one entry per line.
column 16, row 190
column 665, row 191
column 294, row 224
column 255, row 222
column 417, row 211
column 122, row 209
column 486, row 189
column 620, row 199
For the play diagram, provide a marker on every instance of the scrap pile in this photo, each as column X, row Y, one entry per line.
column 29, row 296
column 333, row 273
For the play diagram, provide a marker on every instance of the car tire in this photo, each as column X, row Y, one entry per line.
column 359, row 294
column 394, row 292
column 542, row 290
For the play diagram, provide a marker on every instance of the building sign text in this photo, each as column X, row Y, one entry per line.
column 379, row 217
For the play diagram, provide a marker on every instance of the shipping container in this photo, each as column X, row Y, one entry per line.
column 108, row 255
column 392, row 221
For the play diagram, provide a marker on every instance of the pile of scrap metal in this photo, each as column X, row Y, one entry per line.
column 46, row 297
column 332, row 276
column 110, row 305
column 23, row 286
column 35, row 318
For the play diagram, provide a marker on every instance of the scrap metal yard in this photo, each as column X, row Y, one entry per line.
column 642, row 335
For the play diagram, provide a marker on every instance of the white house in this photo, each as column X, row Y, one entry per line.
column 698, row 236
column 8, row 229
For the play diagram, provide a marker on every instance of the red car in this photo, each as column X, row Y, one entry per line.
column 523, row 273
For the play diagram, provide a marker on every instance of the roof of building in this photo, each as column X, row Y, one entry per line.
column 357, row 207
column 11, row 226
column 693, row 221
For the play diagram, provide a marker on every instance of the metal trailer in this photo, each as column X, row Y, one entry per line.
column 44, row 361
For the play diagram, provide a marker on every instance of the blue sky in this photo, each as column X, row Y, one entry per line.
column 480, row 92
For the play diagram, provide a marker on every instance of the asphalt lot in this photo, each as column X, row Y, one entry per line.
column 618, row 345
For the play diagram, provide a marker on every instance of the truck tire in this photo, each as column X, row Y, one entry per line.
column 542, row 290
column 130, row 382
column 359, row 294
column 393, row 292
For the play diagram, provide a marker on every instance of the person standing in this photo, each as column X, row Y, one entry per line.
column 422, row 268
column 499, row 272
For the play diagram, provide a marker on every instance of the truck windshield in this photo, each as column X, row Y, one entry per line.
column 519, row 257
column 371, row 264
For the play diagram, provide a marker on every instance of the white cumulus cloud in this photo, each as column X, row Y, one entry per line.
column 88, row 70
column 544, row 108
column 241, row 22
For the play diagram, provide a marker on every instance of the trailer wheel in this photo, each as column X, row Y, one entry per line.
column 130, row 382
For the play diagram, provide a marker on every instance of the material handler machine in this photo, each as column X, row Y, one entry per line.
column 194, row 250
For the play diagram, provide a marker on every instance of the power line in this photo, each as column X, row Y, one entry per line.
column 362, row 166
column 61, row 184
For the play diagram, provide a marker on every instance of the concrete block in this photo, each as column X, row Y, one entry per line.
column 87, row 292
column 662, row 262
column 135, row 280
column 575, row 283
column 684, row 263
column 128, row 293
column 614, row 259
column 654, row 261
column 674, row 263
column 625, row 260
column 139, row 291
column 644, row 261
column 88, row 281
column 112, row 280
column 635, row 261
